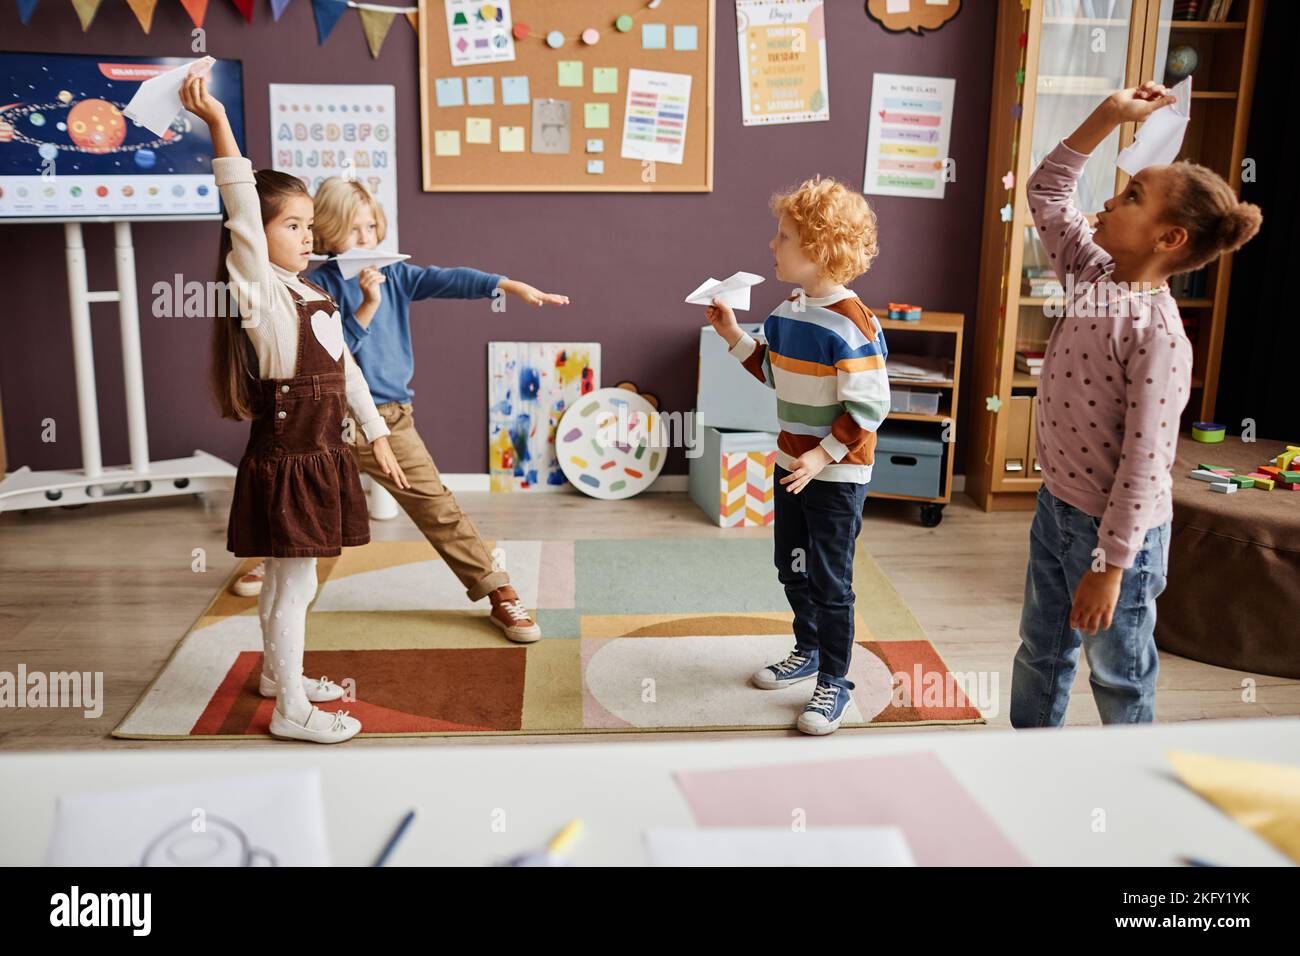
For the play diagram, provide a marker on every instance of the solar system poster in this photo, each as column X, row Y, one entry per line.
column 67, row 152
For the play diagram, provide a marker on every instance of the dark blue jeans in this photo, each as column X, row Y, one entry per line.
column 814, row 534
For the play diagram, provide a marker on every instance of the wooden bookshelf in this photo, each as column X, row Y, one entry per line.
column 1223, row 82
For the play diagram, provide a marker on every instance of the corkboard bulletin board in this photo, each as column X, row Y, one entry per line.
column 482, row 167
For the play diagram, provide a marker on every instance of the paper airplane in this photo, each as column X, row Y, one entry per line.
column 1161, row 136
column 733, row 291
column 158, row 100
column 352, row 262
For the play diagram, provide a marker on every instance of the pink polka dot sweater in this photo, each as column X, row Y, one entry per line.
column 1116, row 376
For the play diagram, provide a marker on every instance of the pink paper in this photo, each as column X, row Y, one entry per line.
column 943, row 823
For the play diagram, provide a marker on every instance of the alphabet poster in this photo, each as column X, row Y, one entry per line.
column 907, row 141
column 348, row 130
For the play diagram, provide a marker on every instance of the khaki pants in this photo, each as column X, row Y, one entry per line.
column 431, row 506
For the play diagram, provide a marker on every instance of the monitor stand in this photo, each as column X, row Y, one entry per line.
column 25, row 489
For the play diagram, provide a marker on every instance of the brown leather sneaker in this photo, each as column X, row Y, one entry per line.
column 509, row 614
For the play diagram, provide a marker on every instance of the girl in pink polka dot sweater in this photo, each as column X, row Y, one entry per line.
column 1116, row 377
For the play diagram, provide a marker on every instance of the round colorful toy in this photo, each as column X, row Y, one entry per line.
column 611, row 443
column 1207, row 432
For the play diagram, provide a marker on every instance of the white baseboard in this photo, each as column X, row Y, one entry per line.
column 467, row 481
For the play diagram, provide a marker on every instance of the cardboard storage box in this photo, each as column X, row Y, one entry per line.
column 732, row 481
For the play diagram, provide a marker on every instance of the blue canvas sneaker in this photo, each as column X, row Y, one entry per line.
column 826, row 709
column 798, row 666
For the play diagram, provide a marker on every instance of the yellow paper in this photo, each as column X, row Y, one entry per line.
column 478, row 129
column 604, row 79
column 446, row 142
column 596, row 115
column 570, row 73
column 511, row 139
column 1262, row 797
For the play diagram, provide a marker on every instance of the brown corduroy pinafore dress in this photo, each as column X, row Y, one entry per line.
column 297, row 490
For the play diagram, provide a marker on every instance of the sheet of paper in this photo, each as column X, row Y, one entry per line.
column 514, row 91
column 481, row 91
column 478, row 129
column 1263, row 797
column 763, row 846
column 511, row 139
column 686, row 37
column 596, row 115
column 1160, row 138
column 654, row 36
column 913, row 791
column 362, row 147
column 157, row 101
column 275, row 819
column 595, row 145
column 604, row 79
column 907, row 139
column 569, row 73
column 655, row 119
column 446, row 142
column 352, row 262
column 551, row 126
column 450, row 91
column 783, row 62
column 479, row 32
column 734, row 290
column 595, row 166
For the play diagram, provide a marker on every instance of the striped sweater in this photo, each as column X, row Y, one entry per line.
column 826, row 359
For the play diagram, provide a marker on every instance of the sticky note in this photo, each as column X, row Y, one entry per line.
column 511, row 139
column 604, row 79
column 595, row 145
column 686, row 37
column 446, row 142
column 570, row 72
column 595, row 166
column 596, row 115
column 481, row 92
column 896, row 6
column 478, row 129
column 654, row 36
column 514, row 90
column 450, row 91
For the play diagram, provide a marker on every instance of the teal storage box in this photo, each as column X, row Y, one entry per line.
column 909, row 461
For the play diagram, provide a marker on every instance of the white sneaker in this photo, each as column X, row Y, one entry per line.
column 320, row 727
column 319, row 691
column 250, row 584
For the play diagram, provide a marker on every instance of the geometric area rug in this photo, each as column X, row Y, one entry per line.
column 642, row 635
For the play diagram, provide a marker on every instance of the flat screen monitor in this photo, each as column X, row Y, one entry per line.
column 67, row 153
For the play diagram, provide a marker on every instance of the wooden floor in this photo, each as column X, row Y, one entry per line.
column 110, row 588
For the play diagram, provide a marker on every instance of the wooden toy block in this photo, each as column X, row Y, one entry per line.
column 1242, row 481
column 1262, row 482
column 1290, row 476
column 1270, row 470
column 1223, row 487
column 1284, row 459
column 1202, row 475
column 1205, row 467
column 1223, row 472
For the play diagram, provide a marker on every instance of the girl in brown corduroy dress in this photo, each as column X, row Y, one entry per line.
column 297, row 492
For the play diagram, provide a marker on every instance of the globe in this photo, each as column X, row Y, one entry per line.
column 1182, row 62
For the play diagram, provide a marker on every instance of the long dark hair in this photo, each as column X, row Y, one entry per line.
column 234, row 362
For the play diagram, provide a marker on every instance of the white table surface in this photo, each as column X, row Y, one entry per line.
column 1042, row 787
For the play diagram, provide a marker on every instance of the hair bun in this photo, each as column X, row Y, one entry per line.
column 1238, row 225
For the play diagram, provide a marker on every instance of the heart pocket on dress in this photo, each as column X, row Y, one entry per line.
column 328, row 329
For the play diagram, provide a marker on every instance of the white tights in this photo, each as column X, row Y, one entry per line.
column 287, row 590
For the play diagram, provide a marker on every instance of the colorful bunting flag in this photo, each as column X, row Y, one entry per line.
column 245, row 7
column 327, row 14
column 143, row 10
column 25, row 8
column 86, row 10
column 375, row 24
column 197, row 9
column 413, row 18
column 277, row 8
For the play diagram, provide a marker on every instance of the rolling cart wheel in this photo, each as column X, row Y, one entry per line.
column 931, row 515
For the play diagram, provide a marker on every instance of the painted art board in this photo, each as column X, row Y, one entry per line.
column 478, row 163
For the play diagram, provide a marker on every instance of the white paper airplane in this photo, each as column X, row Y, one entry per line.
column 733, row 291
column 1161, row 136
column 352, row 262
column 158, row 100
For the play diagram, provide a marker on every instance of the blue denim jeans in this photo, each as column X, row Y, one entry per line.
column 1123, row 658
column 814, row 533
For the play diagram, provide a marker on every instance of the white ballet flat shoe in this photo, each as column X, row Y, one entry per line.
column 320, row 691
column 320, row 727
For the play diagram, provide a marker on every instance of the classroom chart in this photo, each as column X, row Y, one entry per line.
column 347, row 130
column 907, row 140
column 596, row 95
column 783, row 72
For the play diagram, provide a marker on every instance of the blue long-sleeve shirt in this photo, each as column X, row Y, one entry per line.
column 383, row 348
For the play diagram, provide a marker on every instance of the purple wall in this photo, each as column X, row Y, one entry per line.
column 627, row 261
